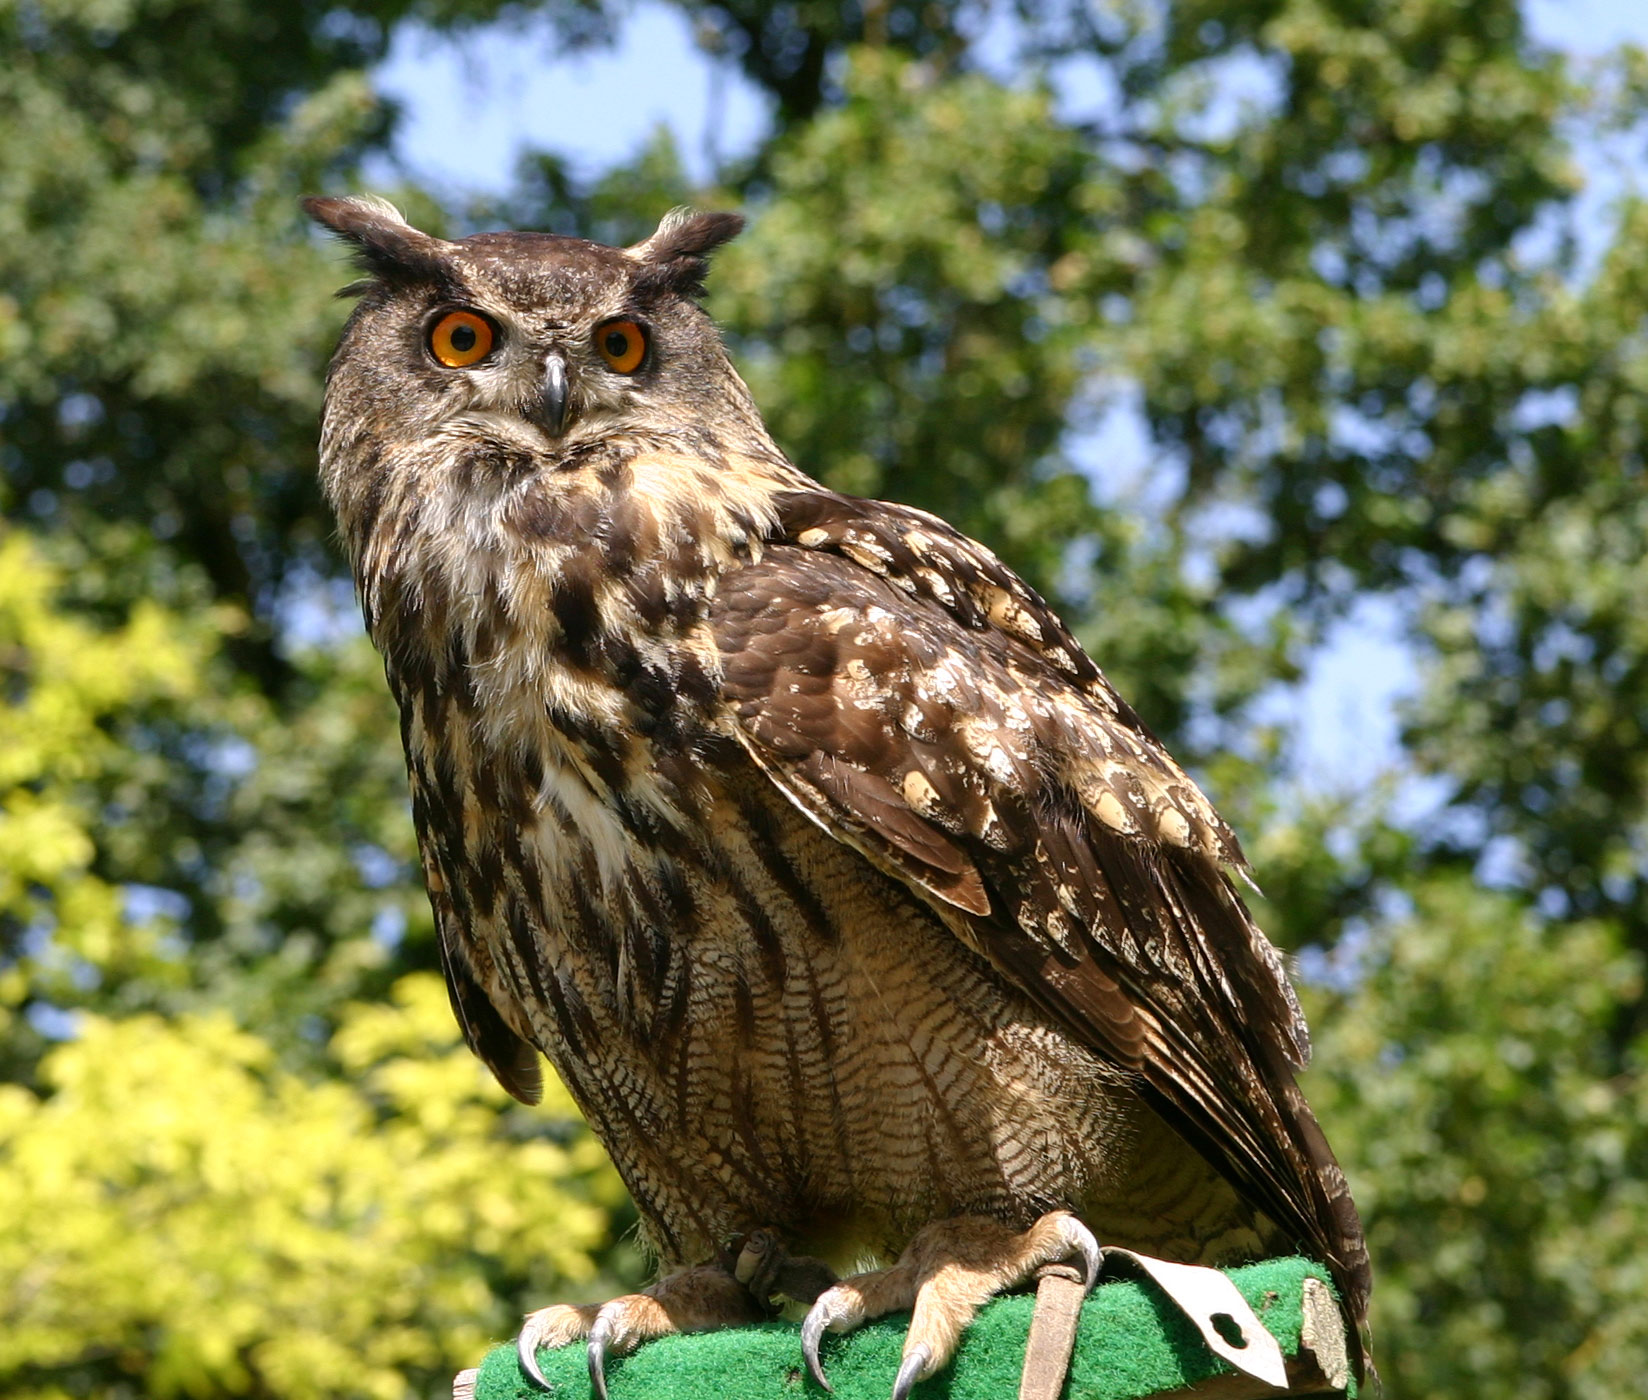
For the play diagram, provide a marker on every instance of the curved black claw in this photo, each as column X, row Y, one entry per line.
column 597, row 1355
column 812, row 1331
column 910, row 1372
column 526, row 1350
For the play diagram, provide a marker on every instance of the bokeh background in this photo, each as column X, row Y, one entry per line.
column 1297, row 348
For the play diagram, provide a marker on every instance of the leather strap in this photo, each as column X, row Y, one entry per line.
column 1059, row 1297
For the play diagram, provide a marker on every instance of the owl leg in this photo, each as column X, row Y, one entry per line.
column 945, row 1274
column 692, row 1300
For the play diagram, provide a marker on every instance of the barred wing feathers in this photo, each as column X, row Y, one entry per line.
column 922, row 704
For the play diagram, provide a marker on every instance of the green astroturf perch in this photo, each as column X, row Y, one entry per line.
column 1131, row 1345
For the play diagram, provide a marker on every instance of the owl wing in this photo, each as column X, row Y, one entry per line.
column 512, row 1061
column 922, row 704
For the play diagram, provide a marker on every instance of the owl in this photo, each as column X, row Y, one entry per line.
column 876, row 937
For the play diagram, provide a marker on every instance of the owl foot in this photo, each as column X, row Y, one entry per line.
column 693, row 1300
column 946, row 1273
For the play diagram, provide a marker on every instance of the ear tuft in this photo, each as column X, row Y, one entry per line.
column 385, row 243
column 685, row 233
column 677, row 254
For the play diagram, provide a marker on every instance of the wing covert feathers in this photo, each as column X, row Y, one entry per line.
column 922, row 704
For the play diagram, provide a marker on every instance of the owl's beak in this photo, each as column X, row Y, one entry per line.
column 549, row 413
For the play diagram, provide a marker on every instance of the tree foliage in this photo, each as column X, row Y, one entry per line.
column 188, row 1218
column 1331, row 258
column 1498, row 1155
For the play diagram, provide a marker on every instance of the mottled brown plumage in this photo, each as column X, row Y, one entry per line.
column 828, row 871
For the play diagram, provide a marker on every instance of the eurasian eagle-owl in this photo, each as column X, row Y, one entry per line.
column 851, row 903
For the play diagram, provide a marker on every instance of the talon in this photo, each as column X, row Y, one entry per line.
column 759, row 1246
column 597, row 1354
column 912, row 1370
column 812, row 1330
column 1083, row 1242
column 526, row 1349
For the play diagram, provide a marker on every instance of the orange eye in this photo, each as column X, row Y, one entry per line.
column 460, row 338
column 622, row 344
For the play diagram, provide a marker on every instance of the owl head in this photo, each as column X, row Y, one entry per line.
column 532, row 343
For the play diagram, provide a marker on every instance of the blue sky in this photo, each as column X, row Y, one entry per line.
column 472, row 107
